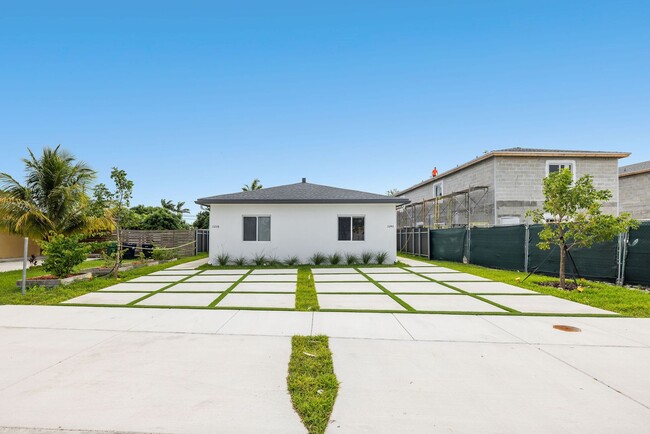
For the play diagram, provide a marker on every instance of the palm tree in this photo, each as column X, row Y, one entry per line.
column 177, row 209
column 52, row 200
column 255, row 185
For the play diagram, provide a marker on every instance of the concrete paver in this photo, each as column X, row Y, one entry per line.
column 157, row 278
column 258, row 300
column 407, row 277
column 448, row 303
column 359, row 302
column 333, row 270
column 275, row 271
column 214, row 278
column 347, row 287
column 189, row 265
column 265, row 287
column 636, row 329
column 271, row 278
column 491, row 288
column 418, row 287
column 543, row 304
column 455, row 277
column 401, row 386
column 218, row 272
column 199, row 287
column 339, row 278
column 171, row 299
column 135, row 287
column 368, row 270
column 183, row 320
column 106, row 298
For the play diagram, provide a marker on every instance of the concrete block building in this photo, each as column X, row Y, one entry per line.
column 499, row 187
column 634, row 190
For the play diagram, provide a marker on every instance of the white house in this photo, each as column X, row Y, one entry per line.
column 300, row 220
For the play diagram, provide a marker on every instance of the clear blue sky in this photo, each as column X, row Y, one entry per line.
column 195, row 99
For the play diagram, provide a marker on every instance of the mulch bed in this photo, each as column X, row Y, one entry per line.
column 569, row 286
column 50, row 277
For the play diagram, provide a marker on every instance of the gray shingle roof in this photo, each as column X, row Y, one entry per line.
column 558, row 151
column 302, row 192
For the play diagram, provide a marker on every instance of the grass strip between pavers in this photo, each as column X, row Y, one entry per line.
column 401, row 302
column 229, row 290
column 311, row 381
column 306, row 296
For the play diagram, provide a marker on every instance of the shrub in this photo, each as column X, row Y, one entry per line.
column 240, row 261
column 351, row 258
column 223, row 258
column 259, row 259
column 273, row 261
column 162, row 254
column 366, row 257
column 380, row 257
column 63, row 254
column 334, row 258
column 291, row 260
column 317, row 258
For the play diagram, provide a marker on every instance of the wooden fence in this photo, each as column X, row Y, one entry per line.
column 185, row 240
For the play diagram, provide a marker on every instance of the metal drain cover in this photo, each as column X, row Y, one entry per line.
column 566, row 328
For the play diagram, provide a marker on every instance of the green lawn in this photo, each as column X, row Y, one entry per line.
column 311, row 381
column 10, row 293
column 626, row 301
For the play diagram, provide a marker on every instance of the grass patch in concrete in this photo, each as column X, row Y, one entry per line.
column 306, row 297
column 626, row 301
column 38, row 295
column 311, row 381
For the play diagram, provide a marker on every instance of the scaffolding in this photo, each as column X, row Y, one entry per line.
column 458, row 209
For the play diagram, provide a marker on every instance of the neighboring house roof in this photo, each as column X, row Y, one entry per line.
column 520, row 152
column 634, row 169
column 302, row 192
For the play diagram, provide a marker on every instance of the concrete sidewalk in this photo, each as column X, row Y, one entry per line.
column 180, row 370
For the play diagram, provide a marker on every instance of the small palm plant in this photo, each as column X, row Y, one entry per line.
column 223, row 258
column 259, row 259
column 291, row 260
column 317, row 258
column 240, row 261
column 366, row 257
column 351, row 258
column 381, row 257
column 334, row 258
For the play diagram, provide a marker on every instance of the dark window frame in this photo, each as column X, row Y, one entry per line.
column 257, row 228
column 348, row 232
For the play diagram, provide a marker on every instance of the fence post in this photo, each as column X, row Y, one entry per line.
column 469, row 244
column 526, row 243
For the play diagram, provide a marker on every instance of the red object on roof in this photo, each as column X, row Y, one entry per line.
column 434, row 172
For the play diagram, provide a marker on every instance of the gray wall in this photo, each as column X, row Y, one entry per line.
column 481, row 174
column 519, row 182
column 635, row 195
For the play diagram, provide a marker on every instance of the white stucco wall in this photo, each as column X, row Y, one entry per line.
column 301, row 230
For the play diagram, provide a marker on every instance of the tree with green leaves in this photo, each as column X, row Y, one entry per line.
column 572, row 215
column 202, row 220
column 392, row 192
column 178, row 208
column 53, row 199
column 255, row 185
column 118, row 201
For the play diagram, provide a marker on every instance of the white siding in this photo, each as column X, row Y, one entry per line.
column 301, row 230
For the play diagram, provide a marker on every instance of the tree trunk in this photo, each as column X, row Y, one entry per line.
column 562, row 265
column 118, row 253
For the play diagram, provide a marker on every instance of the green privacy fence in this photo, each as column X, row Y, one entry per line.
column 623, row 259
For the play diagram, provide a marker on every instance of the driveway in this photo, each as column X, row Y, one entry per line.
column 179, row 370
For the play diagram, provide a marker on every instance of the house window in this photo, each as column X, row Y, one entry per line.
column 437, row 189
column 556, row 166
column 352, row 228
column 257, row 228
